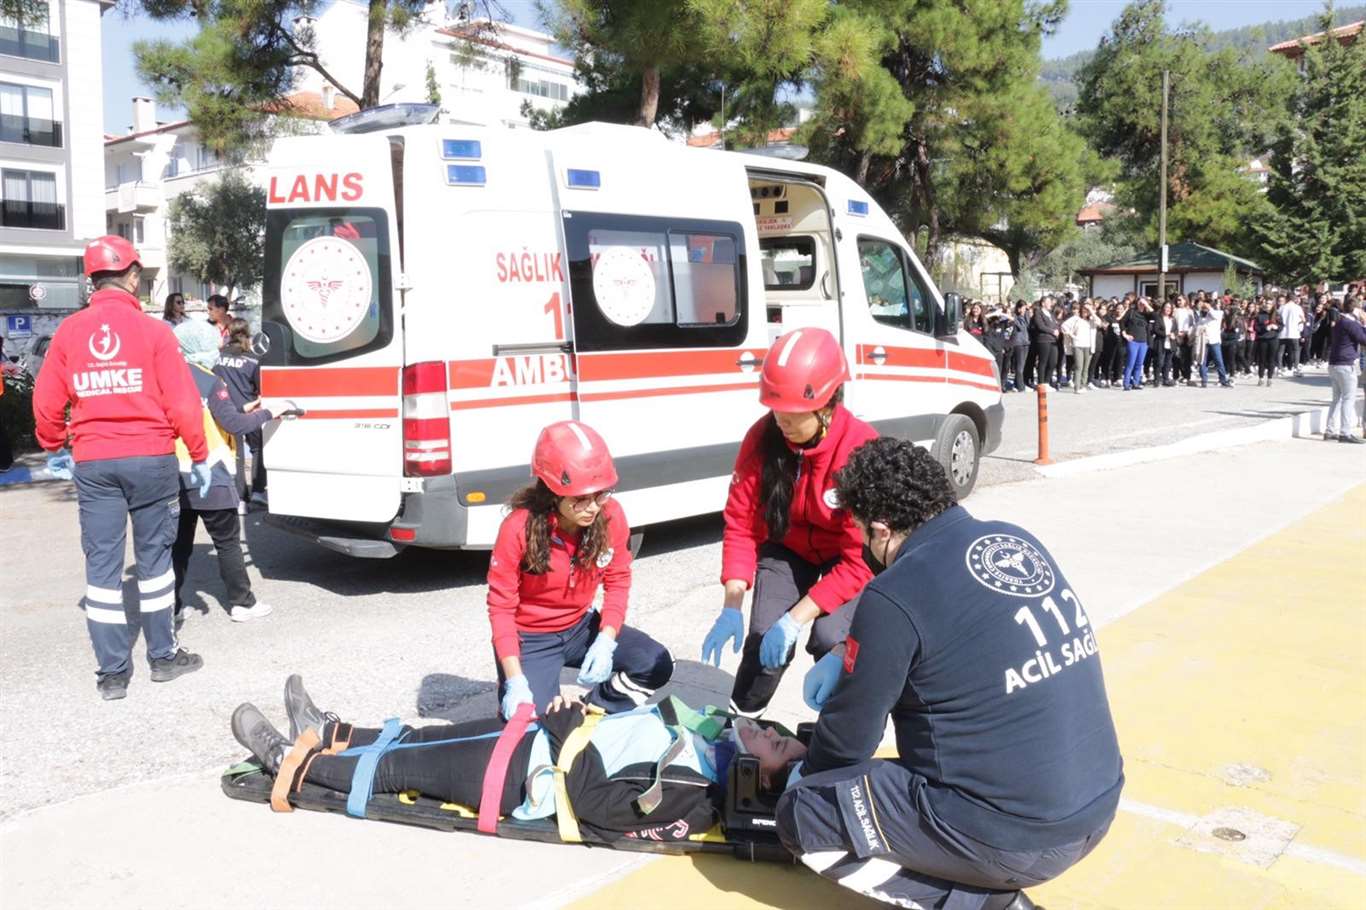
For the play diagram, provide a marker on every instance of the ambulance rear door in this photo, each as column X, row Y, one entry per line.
column 332, row 328
column 667, row 311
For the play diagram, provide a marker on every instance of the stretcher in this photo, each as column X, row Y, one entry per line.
column 746, row 828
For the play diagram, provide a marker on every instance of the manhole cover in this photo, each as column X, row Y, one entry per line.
column 1229, row 834
column 1240, row 834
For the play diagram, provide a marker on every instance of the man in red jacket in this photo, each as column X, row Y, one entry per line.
column 131, row 395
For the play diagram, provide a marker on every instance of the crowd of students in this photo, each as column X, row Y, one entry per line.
column 1130, row 343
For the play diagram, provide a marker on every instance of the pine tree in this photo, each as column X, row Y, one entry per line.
column 1318, row 172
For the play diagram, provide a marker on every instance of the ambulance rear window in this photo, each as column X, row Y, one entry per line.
column 326, row 295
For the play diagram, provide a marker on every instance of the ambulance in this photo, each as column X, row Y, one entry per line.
column 436, row 294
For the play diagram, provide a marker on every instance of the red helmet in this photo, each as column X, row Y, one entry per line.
column 109, row 253
column 573, row 460
column 802, row 371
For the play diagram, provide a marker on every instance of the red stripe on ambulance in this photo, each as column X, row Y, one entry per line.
column 900, row 357
column 966, row 363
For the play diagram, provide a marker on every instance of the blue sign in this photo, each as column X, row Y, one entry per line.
column 19, row 326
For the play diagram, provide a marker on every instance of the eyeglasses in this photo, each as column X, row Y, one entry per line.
column 581, row 503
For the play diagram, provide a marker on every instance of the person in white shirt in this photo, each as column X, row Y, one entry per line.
column 1080, row 333
column 1292, row 325
column 1209, row 327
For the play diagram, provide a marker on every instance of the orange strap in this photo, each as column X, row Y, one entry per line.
column 284, row 778
column 339, row 745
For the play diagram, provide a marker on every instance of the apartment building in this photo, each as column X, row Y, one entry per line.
column 51, row 156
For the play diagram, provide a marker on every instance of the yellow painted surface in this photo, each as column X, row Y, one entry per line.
column 1259, row 662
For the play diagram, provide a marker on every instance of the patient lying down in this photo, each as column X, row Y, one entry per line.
column 630, row 780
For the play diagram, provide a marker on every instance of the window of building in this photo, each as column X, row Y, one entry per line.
column 528, row 84
column 26, row 115
column 27, row 33
column 138, row 233
column 28, row 199
column 895, row 295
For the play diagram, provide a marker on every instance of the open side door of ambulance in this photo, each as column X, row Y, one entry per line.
column 667, row 314
column 332, row 330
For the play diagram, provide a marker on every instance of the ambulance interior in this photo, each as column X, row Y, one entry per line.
column 797, row 254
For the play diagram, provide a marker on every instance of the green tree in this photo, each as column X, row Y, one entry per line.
column 1318, row 172
column 1086, row 249
column 934, row 106
column 217, row 232
column 1224, row 108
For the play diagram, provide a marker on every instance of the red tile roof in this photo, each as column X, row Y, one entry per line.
column 298, row 104
column 1295, row 46
column 1093, row 213
column 713, row 138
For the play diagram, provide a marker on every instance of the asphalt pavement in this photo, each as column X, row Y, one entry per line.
column 117, row 804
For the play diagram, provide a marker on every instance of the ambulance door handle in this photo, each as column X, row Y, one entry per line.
column 877, row 357
column 750, row 361
column 541, row 347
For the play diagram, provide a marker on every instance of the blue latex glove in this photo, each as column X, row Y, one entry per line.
column 203, row 475
column 778, row 641
column 820, row 680
column 60, row 465
column 597, row 665
column 517, row 692
column 730, row 624
column 794, row 775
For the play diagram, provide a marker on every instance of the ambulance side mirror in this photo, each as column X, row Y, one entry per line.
column 951, row 317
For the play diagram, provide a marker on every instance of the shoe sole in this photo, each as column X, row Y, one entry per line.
column 168, row 675
column 113, row 694
column 252, row 617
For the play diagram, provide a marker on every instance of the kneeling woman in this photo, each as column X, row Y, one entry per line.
column 630, row 779
column 564, row 538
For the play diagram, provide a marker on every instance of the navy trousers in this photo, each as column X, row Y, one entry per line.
column 109, row 492
column 640, row 665
column 870, row 827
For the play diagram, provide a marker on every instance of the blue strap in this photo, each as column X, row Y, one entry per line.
column 363, row 780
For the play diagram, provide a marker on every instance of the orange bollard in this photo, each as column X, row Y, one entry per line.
column 1043, row 458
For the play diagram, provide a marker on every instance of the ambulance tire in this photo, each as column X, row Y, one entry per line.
column 958, row 449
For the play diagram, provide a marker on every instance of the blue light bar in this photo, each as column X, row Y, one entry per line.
column 466, row 149
column 465, row 174
column 583, row 180
column 858, row 208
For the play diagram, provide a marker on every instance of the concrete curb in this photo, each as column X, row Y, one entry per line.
column 22, row 474
column 1301, row 424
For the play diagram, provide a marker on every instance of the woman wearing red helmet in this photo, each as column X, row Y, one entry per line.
column 785, row 533
column 565, row 536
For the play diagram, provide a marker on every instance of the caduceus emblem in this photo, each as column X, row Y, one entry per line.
column 104, row 344
column 325, row 289
column 1013, row 561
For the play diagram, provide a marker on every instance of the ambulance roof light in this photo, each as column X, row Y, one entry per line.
column 790, row 152
column 858, row 207
column 386, row 117
column 465, row 175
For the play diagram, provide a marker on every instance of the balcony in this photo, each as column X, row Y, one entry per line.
column 47, row 216
column 31, row 44
column 133, row 196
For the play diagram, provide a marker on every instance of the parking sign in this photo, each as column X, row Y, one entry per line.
column 19, row 326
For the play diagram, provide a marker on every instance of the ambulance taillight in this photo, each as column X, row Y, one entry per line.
column 426, row 420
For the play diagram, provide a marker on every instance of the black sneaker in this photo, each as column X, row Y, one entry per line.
column 1346, row 437
column 165, row 669
column 113, row 687
column 251, row 729
column 1017, row 900
column 303, row 714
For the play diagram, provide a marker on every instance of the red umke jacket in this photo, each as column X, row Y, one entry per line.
column 521, row 602
column 817, row 530
column 130, row 390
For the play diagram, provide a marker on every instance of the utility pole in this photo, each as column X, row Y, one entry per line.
column 1162, row 203
column 723, row 116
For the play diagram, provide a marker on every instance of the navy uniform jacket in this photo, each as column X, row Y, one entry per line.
column 983, row 656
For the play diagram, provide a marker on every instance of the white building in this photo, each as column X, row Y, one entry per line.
column 50, row 157
column 1191, row 267
column 483, row 71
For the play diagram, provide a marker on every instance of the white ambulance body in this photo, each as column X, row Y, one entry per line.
column 435, row 295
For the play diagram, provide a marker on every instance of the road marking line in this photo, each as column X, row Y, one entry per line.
column 1306, row 852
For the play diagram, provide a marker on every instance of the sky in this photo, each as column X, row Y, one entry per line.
column 1086, row 21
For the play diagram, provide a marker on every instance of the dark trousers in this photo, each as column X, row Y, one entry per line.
column 781, row 579
column 1245, row 356
column 1230, row 349
column 1045, row 362
column 256, row 444
column 108, row 493
column 1020, row 353
column 1184, row 360
column 222, row 525
column 1290, row 353
column 1266, row 357
column 448, row 771
column 1162, row 362
column 640, row 665
column 871, row 828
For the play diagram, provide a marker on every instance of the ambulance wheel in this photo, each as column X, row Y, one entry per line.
column 959, row 452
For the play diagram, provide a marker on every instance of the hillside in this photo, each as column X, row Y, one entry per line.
column 1059, row 74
